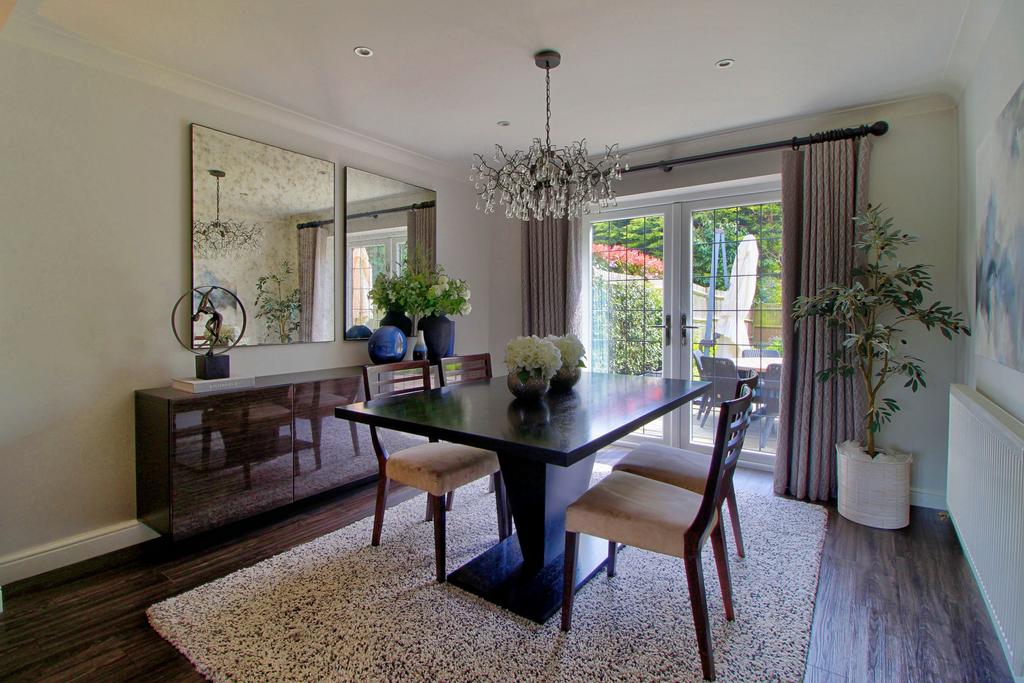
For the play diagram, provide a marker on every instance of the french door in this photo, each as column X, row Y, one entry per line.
column 691, row 289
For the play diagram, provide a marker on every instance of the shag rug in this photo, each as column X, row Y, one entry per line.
column 337, row 609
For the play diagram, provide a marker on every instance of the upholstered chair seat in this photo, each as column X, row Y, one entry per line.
column 639, row 512
column 440, row 468
column 671, row 465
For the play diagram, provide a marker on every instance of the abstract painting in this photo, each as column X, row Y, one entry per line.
column 999, row 320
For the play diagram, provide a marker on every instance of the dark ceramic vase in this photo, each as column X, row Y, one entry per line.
column 439, row 332
column 400, row 320
column 386, row 345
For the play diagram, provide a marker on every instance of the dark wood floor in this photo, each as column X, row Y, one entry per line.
column 891, row 606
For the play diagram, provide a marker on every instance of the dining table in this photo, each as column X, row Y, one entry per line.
column 546, row 450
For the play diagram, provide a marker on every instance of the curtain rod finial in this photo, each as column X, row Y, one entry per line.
column 879, row 128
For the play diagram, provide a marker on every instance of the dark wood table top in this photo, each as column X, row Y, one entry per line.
column 559, row 430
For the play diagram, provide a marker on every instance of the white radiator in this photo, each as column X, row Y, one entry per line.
column 985, row 494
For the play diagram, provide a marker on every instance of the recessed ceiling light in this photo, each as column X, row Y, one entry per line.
column 503, row 124
column 725, row 63
column 363, row 51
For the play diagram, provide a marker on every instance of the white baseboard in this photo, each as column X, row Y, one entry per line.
column 928, row 499
column 49, row 556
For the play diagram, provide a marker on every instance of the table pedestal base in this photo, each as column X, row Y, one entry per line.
column 500, row 576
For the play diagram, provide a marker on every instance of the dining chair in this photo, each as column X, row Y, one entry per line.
column 769, row 398
column 434, row 467
column 474, row 368
column 722, row 374
column 652, row 515
column 688, row 469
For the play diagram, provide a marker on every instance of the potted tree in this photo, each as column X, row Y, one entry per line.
column 874, row 484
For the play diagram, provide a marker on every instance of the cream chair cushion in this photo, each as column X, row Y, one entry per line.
column 670, row 465
column 637, row 511
column 438, row 468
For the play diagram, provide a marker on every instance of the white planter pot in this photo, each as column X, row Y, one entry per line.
column 874, row 491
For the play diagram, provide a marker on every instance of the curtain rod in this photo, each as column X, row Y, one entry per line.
column 411, row 207
column 314, row 224
column 876, row 128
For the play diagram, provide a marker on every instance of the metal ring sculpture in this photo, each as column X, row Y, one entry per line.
column 204, row 291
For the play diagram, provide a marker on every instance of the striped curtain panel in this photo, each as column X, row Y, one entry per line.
column 552, row 276
column 422, row 233
column 823, row 188
column 307, row 280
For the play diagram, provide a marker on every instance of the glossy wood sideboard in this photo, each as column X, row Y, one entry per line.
column 205, row 460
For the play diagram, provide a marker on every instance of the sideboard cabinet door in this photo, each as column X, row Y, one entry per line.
column 231, row 457
column 329, row 452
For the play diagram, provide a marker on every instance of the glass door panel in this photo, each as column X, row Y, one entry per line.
column 735, row 296
column 628, row 333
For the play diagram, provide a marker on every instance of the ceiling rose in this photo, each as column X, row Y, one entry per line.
column 547, row 181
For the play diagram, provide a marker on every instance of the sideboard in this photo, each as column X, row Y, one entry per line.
column 205, row 460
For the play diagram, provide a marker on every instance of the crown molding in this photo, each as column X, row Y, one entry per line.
column 975, row 26
column 50, row 40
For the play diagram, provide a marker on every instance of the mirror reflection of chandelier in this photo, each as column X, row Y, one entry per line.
column 547, row 180
column 224, row 236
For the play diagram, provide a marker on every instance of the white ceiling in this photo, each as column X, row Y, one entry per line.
column 638, row 72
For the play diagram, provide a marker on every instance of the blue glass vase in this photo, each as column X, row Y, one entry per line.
column 386, row 345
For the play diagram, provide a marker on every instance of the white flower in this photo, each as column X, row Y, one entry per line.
column 435, row 290
column 533, row 355
column 443, row 280
column 466, row 309
column 572, row 350
column 466, row 295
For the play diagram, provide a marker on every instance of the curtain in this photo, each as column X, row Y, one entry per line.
column 307, row 275
column 552, row 276
column 422, row 231
column 822, row 189
column 323, row 287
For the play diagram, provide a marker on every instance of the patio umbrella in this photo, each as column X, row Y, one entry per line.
column 740, row 294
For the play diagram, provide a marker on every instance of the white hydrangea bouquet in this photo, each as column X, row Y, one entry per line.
column 531, row 363
column 573, row 352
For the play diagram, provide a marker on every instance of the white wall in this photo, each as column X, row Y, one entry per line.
column 997, row 74
column 95, row 205
column 913, row 172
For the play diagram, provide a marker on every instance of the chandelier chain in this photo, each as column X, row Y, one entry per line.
column 547, row 120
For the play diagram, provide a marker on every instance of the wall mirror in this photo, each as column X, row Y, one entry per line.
column 386, row 221
column 263, row 228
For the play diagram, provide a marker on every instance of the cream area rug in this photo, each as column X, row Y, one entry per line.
column 336, row 609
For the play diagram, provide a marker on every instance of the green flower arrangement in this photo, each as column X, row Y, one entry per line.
column 421, row 290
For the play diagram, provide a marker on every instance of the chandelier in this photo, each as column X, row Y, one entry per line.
column 546, row 180
column 210, row 238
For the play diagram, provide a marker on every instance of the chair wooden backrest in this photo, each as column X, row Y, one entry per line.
column 460, row 369
column 733, row 420
column 393, row 379
column 749, row 383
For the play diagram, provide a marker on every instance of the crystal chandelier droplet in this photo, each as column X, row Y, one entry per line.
column 545, row 180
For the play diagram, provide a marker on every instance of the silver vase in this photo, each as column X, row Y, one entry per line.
column 565, row 379
column 530, row 390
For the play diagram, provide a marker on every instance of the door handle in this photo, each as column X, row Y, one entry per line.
column 683, row 327
column 668, row 329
